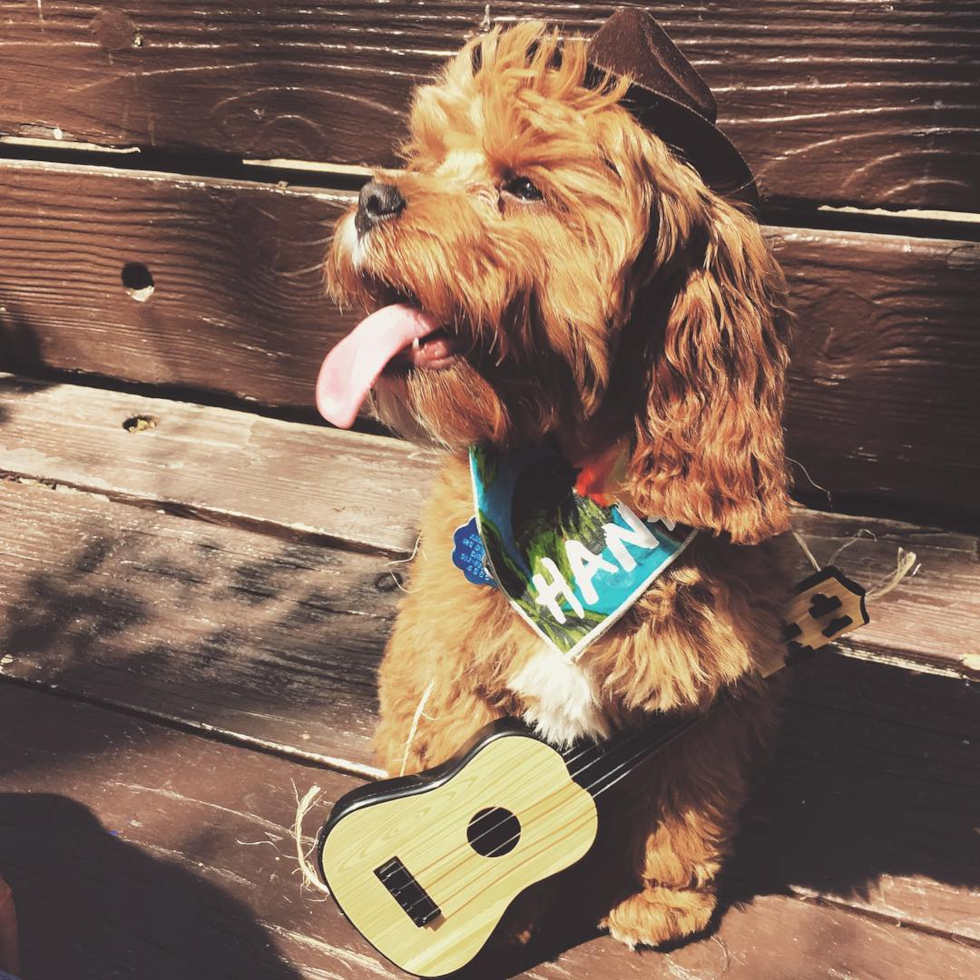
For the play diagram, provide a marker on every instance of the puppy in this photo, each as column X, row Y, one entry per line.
column 545, row 266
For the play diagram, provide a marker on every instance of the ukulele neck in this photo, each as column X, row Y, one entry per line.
column 823, row 607
column 597, row 766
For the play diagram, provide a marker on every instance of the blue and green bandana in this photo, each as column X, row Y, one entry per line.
column 570, row 560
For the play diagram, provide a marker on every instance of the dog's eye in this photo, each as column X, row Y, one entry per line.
column 522, row 188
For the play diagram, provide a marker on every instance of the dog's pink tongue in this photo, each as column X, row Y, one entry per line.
column 350, row 370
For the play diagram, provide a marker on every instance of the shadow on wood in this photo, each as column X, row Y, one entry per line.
column 20, row 346
column 182, row 619
column 84, row 892
column 874, row 780
column 869, row 801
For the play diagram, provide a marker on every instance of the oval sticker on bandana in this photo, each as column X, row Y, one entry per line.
column 469, row 555
column 570, row 563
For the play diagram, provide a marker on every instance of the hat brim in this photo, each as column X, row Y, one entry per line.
column 694, row 139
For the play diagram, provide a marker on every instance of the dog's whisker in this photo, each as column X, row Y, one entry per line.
column 302, row 272
column 314, row 242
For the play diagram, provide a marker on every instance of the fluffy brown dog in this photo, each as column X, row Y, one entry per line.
column 586, row 284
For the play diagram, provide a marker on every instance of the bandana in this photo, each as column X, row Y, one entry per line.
column 568, row 552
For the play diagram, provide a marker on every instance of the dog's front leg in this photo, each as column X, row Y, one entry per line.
column 677, row 896
column 431, row 704
column 427, row 714
column 433, row 679
column 681, row 824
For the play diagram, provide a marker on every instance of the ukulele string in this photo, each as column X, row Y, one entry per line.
column 532, row 772
column 629, row 763
column 601, row 756
column 589, row 747
column 601, row 751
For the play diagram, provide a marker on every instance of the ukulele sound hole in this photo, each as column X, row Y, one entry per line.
column 494, row 832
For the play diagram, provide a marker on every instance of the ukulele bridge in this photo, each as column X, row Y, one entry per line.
column 407, row 892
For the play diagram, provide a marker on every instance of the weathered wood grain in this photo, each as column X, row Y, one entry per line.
column 161, row 854
column 238, row 303
column 307, row 481
column 275, row 644
column 884, row 390
column 230, row 466
column 932, row 617
column 872, row 768
column 871, row 103
column 221, row 629
column 137, row 851
column 884, row 386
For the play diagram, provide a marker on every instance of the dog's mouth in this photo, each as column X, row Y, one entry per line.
column 398, row 337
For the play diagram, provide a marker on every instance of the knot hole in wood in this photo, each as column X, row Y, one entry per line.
column 137, row 280
column 140, row 423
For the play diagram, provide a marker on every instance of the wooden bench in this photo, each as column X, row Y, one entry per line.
column 198, row 578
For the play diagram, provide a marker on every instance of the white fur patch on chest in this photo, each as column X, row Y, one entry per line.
column 561, row 698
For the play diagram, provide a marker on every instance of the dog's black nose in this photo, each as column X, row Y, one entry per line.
column 377, row 203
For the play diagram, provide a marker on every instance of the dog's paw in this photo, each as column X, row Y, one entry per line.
column 659, row 915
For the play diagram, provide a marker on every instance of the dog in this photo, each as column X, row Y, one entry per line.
column 548, row 266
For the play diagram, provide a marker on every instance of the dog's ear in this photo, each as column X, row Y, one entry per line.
column 709, row 437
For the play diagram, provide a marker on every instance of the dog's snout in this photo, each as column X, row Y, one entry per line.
column 378, row 202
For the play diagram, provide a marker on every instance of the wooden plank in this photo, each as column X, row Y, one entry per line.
column 269, row 641
column 237, row 303
column 275, row 644
column 133, row 850
column 930, row 622
column 158, row 854
column 873, row 769
column 364, row 491
column 230, row 466
column 883, row 396
column 869, row 106
column 884, row 388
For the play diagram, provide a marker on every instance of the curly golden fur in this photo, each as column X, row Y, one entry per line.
column 627, row 300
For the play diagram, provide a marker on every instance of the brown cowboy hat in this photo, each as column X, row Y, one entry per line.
column 670, row 98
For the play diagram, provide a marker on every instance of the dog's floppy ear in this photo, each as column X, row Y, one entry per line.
column 709, row 437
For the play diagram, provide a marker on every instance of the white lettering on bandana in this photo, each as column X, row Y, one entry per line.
column 569, row 563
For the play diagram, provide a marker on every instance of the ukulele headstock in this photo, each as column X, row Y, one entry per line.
column 824, row 607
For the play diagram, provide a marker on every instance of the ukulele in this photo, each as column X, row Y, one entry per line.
column 424, row 866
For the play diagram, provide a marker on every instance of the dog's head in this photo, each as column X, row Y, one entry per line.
column 545, row 264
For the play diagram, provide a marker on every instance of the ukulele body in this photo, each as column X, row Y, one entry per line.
column 425, row 866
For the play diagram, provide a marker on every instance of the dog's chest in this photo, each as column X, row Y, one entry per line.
column 562, row 699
